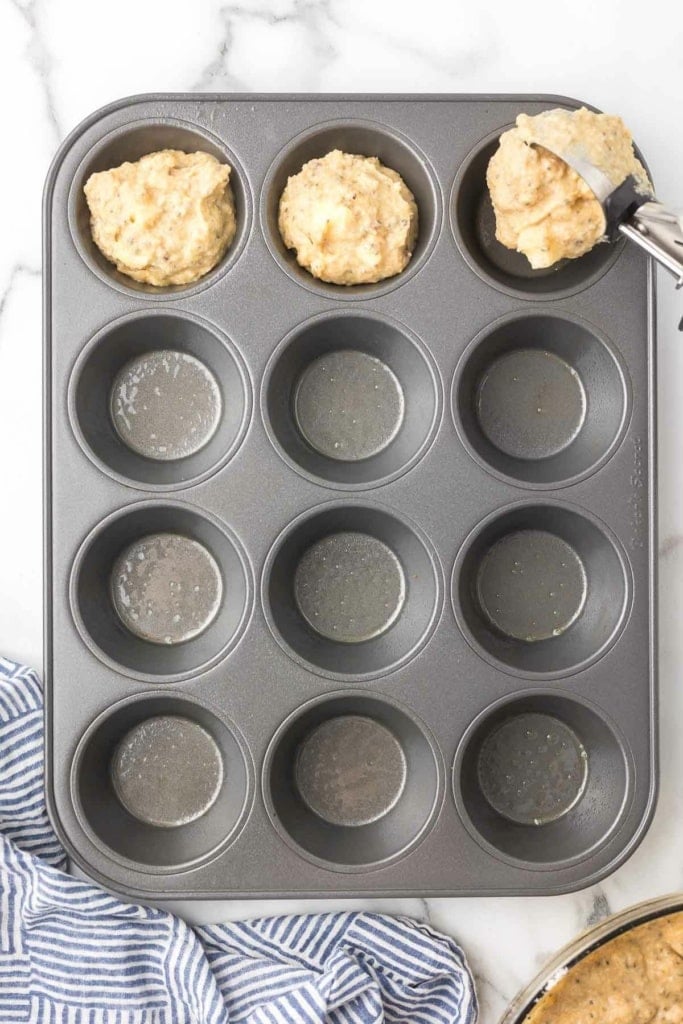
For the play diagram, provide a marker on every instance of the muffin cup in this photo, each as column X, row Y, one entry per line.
column 541, row 590
column 372, row 579
column 185, row 843
column 127, row 144
column 362, row 138
column 540, row 400
column 351, row 400
column 396, row 780
column 139, row 336
column 474, row 225
column 93, row 606
column 536, row 776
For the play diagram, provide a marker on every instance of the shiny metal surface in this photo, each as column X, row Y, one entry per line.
column 657, row 230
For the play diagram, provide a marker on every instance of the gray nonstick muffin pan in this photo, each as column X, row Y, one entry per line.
column 348, row 590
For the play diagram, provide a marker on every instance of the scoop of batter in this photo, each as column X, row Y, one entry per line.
column 543, row 208
column 350, row 219
column 166, row 219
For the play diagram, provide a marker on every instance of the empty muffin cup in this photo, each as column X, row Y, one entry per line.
column 162, row 781
column 159, row 400
column 352, row 781
column 362, row 138
column 541, row 589
column 540, row 400
column 160, row 591
column 128, row 144
column 541, row 779
column 351, row 590
column 351, row 400
column 474, row 226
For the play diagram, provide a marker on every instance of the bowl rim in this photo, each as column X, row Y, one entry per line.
column 584, row 944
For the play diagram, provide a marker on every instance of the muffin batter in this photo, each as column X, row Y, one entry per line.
column 633, row 979
column 543, row 208
column 166, row 219
column 350, row 219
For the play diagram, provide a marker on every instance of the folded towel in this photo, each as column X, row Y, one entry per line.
column 71, row 953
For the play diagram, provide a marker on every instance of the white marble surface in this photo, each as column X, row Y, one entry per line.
column 60, row 59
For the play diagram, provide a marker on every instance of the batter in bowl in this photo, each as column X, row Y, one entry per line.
column 636, row 978
column 543, row 208
column 349, row 219
column 166, row 219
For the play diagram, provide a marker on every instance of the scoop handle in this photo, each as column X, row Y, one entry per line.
column 659, row 231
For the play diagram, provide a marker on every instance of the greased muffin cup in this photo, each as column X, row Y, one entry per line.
column 352, row 781
column 349, row 590
column 160, row 591
column 159, row 399
column 162, row 781
column 542, row 778
column 351, row 400
column 541, row 589
column 541, row 400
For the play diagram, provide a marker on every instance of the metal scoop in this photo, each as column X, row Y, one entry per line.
column 641, row 218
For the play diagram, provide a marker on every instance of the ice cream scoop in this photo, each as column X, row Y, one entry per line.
column 630, row 212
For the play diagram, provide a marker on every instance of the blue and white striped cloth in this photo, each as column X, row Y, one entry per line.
column 73, row 954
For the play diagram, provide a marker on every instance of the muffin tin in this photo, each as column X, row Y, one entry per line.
column 384, row 554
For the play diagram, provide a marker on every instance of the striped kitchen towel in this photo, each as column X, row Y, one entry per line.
column 73, row 954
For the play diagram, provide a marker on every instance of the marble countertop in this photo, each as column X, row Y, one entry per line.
column 63, row 58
